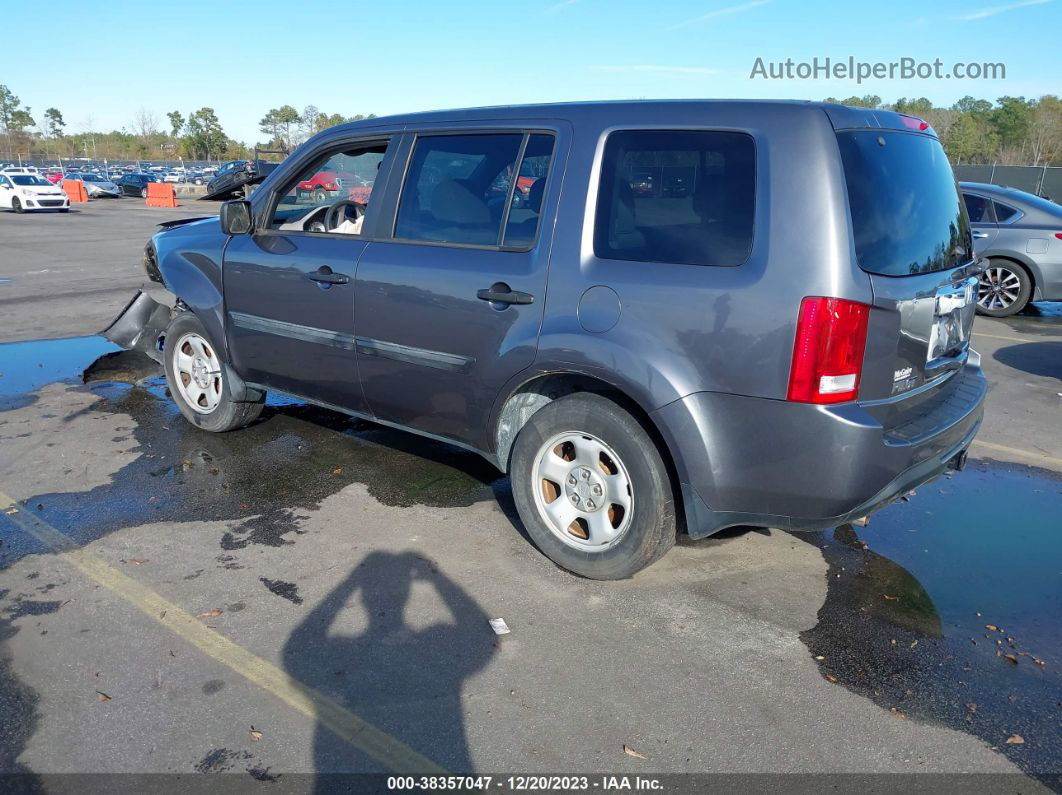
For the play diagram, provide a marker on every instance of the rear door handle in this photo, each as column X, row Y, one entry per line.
column 324, row 275
column 501, row 294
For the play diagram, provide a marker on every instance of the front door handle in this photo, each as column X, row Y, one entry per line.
column 978, row 235
column 501, row 294
column 324, row 275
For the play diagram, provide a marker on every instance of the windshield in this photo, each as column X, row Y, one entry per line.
column 29, row 179
column 906, row 213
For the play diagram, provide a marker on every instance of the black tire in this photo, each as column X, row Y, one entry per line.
column 228, row 414
column 16, row 205
column 652, row 526
column 143, row 193
column 1001, row 272
column 320, row 196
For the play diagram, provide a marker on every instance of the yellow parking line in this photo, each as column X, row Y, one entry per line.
column 1040, row 458
column 381, row 746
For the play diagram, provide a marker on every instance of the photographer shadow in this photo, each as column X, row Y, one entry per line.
column 405, row 680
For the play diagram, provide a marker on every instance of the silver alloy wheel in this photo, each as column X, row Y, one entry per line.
column 998, row 288
column 198, row 372
column 582, row 491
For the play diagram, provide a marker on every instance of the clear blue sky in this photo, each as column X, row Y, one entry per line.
column 388, row 57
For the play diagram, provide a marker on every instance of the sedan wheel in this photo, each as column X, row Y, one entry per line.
column 143, row 193
column 1003, row 289
column 16, row 205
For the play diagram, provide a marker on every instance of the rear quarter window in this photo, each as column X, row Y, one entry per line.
column 676, row 196
column 907, row 216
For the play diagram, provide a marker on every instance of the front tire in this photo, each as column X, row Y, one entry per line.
column 1003, row 289
column 195, row 373
column 143, row 193
column 16, row 205
column 592, row 488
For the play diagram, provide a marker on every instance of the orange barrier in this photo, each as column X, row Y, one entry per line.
column 161, row 195
column 75, row 190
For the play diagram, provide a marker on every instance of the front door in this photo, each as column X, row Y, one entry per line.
column 449, row 308
column 289, row 287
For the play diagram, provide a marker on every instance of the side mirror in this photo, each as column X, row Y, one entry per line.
column 236, row 217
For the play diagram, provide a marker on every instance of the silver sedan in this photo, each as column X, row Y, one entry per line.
column 1021, row 235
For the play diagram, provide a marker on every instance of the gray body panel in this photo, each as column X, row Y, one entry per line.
column 703, row 352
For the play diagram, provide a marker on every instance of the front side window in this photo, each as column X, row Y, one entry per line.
column 676, row 196
column 332, row 193
column 459, row 189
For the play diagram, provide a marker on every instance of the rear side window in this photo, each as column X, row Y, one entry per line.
column 460, row 189
column 1004, row 212
column 906, row 213
column 977, row 208
column 676, row 196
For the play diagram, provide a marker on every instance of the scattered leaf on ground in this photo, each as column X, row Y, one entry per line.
column 631, row 752
column 992, row 627
column 337, row 471
column 102, row 697
column 254, row 734
column 890, row 598
column 138, row 561
column 914, row 643
column 831, row 678
column 210, row 613
column 896, row 712
column 1010, row 658
column 972, row 707
column 819, row 657
column 1015, row 739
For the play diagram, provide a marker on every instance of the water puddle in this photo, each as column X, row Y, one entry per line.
column 947, row 609
column 27, row 366
column 267, row 477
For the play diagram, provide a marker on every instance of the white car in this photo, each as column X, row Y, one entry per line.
column 172, row 176
column 21, row 192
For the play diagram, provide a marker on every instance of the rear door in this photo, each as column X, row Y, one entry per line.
column 981, row 212
column 7, row 190
column 449, row 308
column 912, row 236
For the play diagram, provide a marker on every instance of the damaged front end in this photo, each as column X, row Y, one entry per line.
column 142, row 324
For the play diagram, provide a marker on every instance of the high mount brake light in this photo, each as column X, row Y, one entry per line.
column 831, row 337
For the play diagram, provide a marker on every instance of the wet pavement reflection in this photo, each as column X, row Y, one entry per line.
column 268, row 476
column 946, row 608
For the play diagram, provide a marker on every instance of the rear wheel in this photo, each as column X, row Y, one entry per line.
column 196, row 377
column 16, row 205
column 1004, row 288
column 320, row 196
column 592, row 489
column 143, row 193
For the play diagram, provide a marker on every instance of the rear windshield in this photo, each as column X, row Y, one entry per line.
column 906, row 212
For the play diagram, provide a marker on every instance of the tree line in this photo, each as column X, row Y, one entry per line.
column 194, row 135
column 1011, row 130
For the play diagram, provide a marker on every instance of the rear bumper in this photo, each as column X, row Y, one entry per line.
column 770, row 463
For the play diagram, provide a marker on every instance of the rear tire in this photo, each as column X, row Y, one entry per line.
column 585, row 459
column 320, row 196
column 1003, row 289
column 195, row 373
column 143, row 193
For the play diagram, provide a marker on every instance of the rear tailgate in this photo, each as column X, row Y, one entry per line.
column 912, row 237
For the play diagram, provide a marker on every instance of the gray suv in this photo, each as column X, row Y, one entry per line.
column 657, row 317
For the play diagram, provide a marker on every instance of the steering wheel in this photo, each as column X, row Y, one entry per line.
column 335, row 215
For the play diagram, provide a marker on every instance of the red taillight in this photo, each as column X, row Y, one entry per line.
column 1058, row 235
column 914, row 123
column 828, row 354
